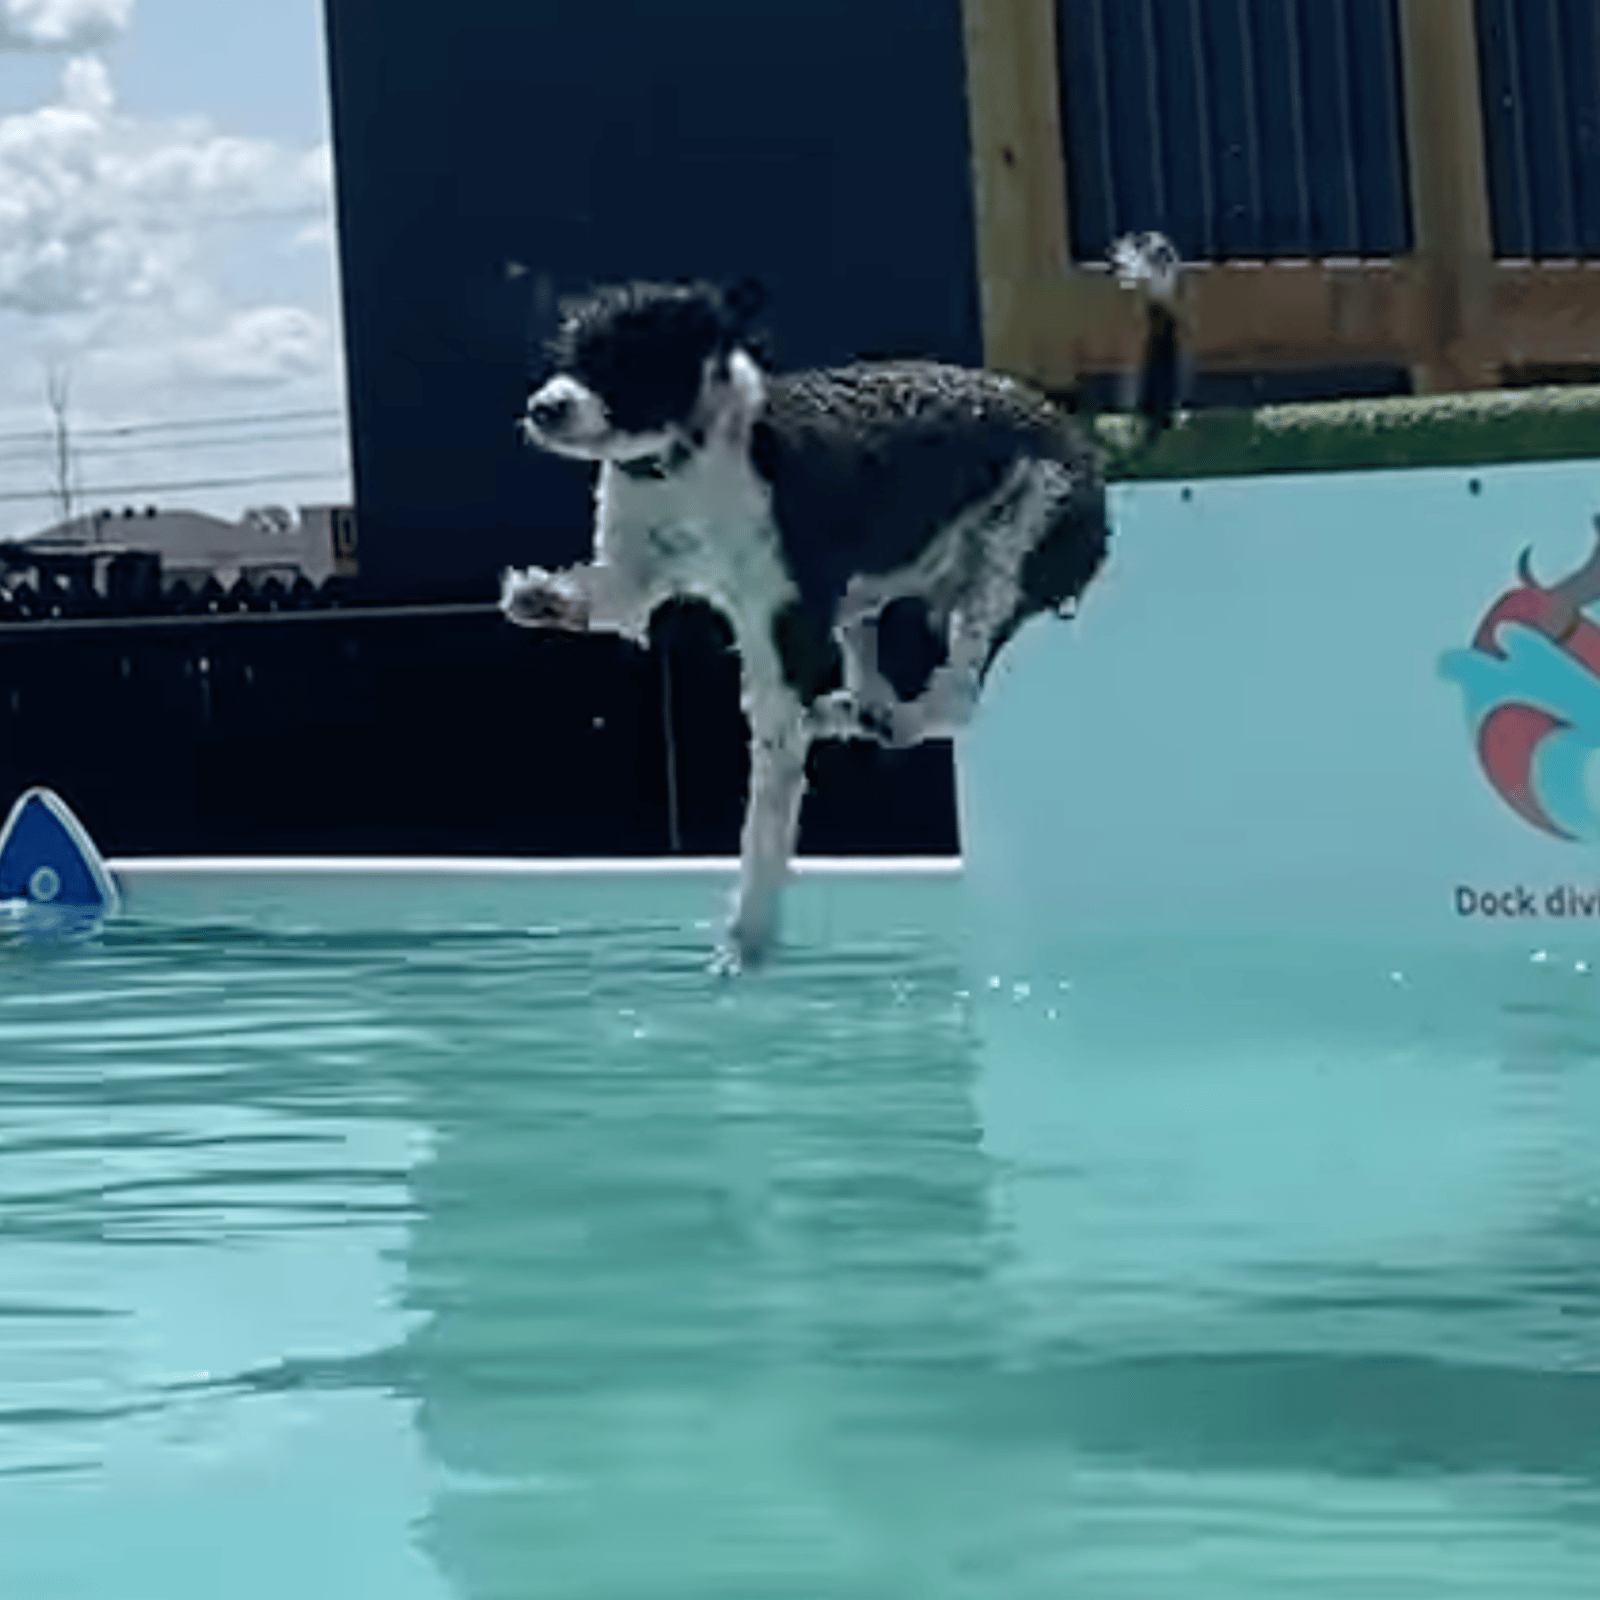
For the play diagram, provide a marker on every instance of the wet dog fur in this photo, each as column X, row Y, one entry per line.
column 873, row 533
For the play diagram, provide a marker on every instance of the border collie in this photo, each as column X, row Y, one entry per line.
column 873, row 533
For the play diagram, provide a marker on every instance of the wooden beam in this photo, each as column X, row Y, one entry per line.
column 1019, row 172
column 1240, row 317
column 1278, row 315
column 1453, row 251
column 1539, row 314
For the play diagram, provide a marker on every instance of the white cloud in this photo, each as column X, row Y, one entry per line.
column 164, row 265
column 61, row 24
column 315, row 236
column 264, row 345
column 99, row 209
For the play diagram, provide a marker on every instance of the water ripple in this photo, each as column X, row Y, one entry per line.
column 865, row 1276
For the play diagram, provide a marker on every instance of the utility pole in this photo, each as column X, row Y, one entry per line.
column 58, row 385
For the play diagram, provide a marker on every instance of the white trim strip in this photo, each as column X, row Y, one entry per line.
column 517, row 866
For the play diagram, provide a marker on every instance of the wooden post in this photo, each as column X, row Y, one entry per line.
column 1453, row 257
column 1019, row 179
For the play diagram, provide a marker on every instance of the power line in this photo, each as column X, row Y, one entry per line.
column 90, row 491
column 175, row 425
column 32, row 453
column 179, row 424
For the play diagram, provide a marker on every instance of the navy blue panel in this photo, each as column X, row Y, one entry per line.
column 1184, row 99
column 1241, row 128
column 1133, row 112
column 1544, row 91
column 1334, row 202
column 819, row 145
column 1281, row 90
column 1234, row 154
column 1086, row 123
column 1583, row 111
column 1377, row 127
column 1504, row 129
column 1540, row 62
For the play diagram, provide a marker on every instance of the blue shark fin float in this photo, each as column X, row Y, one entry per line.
column 49, row 864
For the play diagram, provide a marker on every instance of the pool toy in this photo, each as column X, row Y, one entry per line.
column 50, row 870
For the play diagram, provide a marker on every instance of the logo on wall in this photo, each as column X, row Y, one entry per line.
column 1531, row 681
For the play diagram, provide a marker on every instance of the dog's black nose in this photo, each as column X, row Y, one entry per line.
column 548, row 414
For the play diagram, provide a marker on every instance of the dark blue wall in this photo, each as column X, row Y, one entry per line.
column 819, row 145
column 1541, row 105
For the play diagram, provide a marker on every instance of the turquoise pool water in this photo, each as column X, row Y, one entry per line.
column 516, row 1256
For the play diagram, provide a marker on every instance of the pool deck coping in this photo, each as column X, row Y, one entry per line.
column 519, row 866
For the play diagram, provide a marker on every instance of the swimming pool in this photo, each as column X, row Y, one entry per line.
column 441, row 1233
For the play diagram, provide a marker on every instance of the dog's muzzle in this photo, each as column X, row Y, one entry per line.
column 550, row 415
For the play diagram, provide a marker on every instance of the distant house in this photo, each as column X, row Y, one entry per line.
column 146, row 552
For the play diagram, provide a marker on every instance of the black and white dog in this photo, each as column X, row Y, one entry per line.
column 874, row 533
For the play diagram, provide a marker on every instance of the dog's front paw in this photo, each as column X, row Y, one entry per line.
column 748, row 943
column 743, row 950
column 534, row 598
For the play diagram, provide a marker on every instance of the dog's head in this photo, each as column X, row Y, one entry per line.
column 642, row 368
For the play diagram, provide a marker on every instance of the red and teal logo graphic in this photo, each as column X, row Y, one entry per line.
column 1531, row 682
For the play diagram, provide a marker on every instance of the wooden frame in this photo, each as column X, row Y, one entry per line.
column 1449, row 312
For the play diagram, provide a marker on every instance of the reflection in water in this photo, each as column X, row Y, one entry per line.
column 700, row 1261
column 505, row 1264
column 202, row 1191
column 1333, row 1218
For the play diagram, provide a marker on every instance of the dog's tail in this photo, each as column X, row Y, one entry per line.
column 1149, row 266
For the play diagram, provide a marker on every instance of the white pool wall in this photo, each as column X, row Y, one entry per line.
column 1248, row 728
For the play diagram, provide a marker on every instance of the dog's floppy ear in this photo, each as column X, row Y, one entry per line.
column 561, row 315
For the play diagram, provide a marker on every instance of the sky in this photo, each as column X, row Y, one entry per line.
column 168, row 273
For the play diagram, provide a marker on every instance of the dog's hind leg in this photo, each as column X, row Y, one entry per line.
column 870, row 706
column 778, row 748
column 975, row 627
column 858, row 709
column 1040, row 558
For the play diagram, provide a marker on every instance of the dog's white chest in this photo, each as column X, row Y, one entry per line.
column 705, row 531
